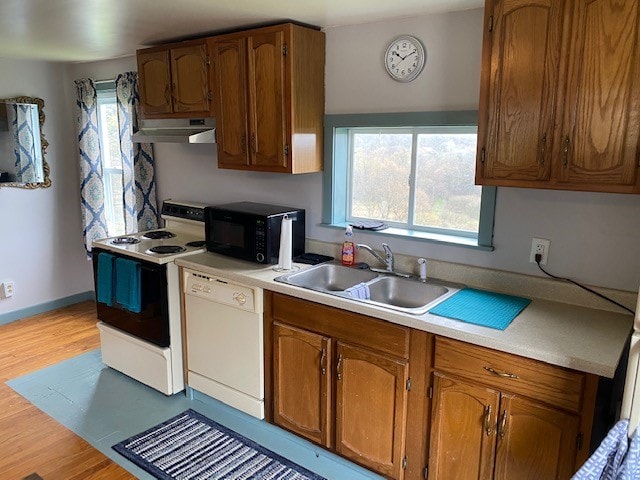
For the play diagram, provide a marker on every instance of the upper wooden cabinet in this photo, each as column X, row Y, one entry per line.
column 269, row 97
column 560, row 95
column 174, row 80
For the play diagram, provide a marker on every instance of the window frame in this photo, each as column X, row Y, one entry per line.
column 336, row 173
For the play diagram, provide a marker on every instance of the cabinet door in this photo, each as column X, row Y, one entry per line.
column 463, row 430
column 230, row 97
column 602, row 120
column 189, row 77
column 519, row 78
column 302, row 383
column 534, row 441
column 154, row 82
column 371, row 401
column 267, row 126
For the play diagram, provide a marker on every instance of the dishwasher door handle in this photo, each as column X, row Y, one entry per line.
column 240, row 298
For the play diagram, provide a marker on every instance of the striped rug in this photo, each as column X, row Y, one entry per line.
column 190, row 446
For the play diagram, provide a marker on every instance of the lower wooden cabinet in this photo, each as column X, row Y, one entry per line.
column 410, row 405
column 302, row 362
column 371, row 404
column 480, row 433
column 336, row 387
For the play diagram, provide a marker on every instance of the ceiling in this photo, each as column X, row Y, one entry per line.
column 88, row 30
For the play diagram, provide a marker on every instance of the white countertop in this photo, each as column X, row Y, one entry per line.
column 571, row 336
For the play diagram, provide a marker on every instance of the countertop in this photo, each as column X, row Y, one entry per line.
column 571, row 336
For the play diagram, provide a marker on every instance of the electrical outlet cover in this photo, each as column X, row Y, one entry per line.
column 541, row 246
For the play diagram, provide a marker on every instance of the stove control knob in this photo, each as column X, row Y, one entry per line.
column 241, row 298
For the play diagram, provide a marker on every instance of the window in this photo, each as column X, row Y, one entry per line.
column 415, row 172
column 111, row 158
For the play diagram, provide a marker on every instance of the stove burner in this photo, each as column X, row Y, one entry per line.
column 196, row 243
column 125, row 241
column 166, row 249
column 159, row 234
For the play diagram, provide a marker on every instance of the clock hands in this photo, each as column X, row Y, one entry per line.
column 401, row 57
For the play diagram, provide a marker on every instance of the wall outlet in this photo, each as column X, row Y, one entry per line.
column 541, row 246
column 7, row 289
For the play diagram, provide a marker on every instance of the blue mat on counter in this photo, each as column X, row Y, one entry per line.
column 489, row 309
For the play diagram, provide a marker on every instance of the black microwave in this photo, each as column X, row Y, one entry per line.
column 251, row 231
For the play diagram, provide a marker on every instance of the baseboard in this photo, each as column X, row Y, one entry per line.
column 46, row 307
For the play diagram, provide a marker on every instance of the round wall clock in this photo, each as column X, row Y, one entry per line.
column 405, row 58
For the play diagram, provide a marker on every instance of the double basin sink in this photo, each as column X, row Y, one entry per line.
column 407, row 295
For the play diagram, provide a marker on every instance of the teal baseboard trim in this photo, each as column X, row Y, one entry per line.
column 46, row 307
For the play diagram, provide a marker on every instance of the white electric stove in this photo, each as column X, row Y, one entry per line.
column 147, row 344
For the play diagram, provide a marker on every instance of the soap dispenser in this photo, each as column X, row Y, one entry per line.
column 348, row 253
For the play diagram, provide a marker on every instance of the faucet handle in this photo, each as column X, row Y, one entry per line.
column 387, row 249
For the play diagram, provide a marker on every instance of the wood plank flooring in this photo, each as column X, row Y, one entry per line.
column 30, row 440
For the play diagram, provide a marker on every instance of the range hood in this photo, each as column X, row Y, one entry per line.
column 176, row 131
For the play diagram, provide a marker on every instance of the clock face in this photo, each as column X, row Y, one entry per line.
column 405, row 58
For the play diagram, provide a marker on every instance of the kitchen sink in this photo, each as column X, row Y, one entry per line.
column 407, row 295
column 328, row 277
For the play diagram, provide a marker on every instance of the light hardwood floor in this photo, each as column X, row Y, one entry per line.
column 30, row 440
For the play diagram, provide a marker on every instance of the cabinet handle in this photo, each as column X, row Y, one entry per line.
column 501, row 374
column 338, row 367
column 487, row 421
column 503, row 422
column 323, row 359
column 254, row 143
column 543, row 148
column 565, row 151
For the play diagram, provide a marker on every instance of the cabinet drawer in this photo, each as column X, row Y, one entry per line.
column 342, row 325
column 510, row 373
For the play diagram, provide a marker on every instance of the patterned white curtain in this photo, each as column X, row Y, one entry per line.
column 91, row 186
column 141, row 212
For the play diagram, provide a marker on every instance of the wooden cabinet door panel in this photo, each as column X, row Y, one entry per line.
column 154, row 80
column 230, row 97
column 534, row 441
column 463, row 430
column 302, row 380
column 189, row 76
column 266, row 105
column 371, row 409
column 525, row 49
column 602, row 120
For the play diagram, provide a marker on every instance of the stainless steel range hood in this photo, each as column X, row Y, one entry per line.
column 176, row 131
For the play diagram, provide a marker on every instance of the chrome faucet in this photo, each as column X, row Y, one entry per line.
column 387, row 260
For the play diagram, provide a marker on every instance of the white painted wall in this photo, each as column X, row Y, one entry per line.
column 40, row 230
column 595, row 238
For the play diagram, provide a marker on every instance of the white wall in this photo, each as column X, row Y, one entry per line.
column 40, row 230
column 594, row 237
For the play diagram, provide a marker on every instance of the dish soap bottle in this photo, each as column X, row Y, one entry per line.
column 348, row 247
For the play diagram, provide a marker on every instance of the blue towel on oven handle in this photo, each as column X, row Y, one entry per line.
column 128, row 284
column 104, row 287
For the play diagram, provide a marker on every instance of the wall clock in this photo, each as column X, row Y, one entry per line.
column 405, row 58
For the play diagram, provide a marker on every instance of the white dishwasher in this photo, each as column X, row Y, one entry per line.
column 224, row 340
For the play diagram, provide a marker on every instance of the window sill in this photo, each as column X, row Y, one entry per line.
column 418, row 235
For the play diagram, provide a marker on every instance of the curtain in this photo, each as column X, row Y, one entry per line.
column 26, row 141
column 91, row 186
column 138, row 167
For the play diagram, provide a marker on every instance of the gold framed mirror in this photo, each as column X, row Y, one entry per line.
column 22, row 143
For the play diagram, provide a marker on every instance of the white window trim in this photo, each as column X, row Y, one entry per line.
column 335, row 194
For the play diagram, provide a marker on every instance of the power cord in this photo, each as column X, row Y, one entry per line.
column 538, row 258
